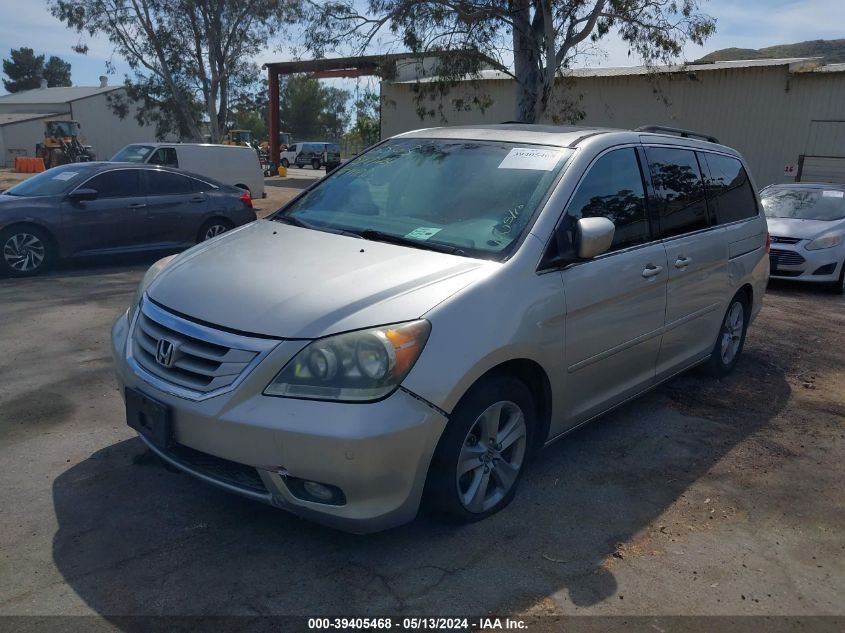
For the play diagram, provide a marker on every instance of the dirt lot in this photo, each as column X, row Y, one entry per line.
column 703, row 497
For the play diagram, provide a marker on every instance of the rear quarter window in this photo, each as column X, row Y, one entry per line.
column 729, row 191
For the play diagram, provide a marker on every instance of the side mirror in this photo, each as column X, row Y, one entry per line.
column 81, row 195
column 593, row 236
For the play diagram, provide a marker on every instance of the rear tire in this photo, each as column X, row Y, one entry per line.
column 731, row 338
column 212, row 228
column 315, row 164
column 25, row 251
column 481, row 455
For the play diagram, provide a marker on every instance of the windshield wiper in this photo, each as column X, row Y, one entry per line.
column 380, row 236
column 295, row 221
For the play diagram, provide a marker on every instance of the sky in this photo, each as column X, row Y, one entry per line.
column 740, row 23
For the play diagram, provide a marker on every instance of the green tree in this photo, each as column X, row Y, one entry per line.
column 366, row 130
column 183, row 52
column 25, row 70
column 312, row 111
column 541, row 37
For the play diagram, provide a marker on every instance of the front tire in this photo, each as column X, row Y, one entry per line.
column 25, row 251
column 285, row 163
column 315, row 164
column 838, row 287
column 731, row 339
column 481, row 456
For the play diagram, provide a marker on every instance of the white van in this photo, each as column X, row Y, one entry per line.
column 229, row 164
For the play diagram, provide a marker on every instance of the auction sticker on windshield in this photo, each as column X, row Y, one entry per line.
column 531, row 158
column 65, row 175
column 422, row 233
column 830, row 193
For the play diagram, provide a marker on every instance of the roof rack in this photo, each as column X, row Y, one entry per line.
column 662, row 129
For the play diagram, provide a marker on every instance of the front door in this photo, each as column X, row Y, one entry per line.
column 615, row 303
column 111, row 221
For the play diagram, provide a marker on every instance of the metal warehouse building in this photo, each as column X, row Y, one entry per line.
column 786, row 116
column 22, row 117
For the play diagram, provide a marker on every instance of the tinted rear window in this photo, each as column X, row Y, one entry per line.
column 160, row 183
column 729, row 191
column 680, row 190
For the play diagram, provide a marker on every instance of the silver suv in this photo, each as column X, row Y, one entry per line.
column 415, row 325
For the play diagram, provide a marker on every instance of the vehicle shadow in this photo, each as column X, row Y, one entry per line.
column 136, row 538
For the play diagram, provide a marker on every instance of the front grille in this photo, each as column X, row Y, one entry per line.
column 204, row 361
column 217, row 468
column 776, row 239
column 781, row 257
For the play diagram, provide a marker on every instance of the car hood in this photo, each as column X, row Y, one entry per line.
column 284, row 281
column 803, row 229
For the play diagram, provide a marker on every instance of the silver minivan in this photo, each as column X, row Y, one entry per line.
column 413, row 327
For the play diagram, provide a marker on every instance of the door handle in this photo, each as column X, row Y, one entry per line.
column 682, row 262
column 651, row 270
column 137, row 205
column 197, row 199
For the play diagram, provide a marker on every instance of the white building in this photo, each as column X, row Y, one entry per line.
column 22, row 116
column 786, row 116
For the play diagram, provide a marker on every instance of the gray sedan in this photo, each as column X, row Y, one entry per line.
column 87, row 209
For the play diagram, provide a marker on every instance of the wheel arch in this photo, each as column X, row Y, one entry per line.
column 54, row 241
column 532, row 374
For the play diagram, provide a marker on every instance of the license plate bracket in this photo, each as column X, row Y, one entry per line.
column 149, row 417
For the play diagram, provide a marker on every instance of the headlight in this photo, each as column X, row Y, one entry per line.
column 153, row 272
column 825, row 241
column 357, row 366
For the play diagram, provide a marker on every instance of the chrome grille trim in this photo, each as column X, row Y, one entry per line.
column 777, row 239
column 207, row 363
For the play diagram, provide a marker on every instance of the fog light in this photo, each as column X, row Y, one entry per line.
column 317, row 490
column 827, row 269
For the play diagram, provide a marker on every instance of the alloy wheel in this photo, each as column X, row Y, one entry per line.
column 732, row 332
column 24, row 252
column 491, row 456
column 214, row 230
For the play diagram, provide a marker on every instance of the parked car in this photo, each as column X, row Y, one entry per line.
column 228, row 164
column 85, row 209
column 420, row 321
column 807, row 225
column 314, row 154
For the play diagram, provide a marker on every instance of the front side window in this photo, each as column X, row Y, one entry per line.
column 728, row 188
column 162, row 183
column 680, row 191
column 804, row 203
column 121, row 183
column 165, row 156
column 613, row 188
column 473, row 197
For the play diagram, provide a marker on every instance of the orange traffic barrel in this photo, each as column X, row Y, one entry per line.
column 38, row 164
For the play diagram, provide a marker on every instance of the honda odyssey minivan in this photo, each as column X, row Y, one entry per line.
column 414, row 326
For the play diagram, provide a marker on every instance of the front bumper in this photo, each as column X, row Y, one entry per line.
column 793, row 261
column 377, row 453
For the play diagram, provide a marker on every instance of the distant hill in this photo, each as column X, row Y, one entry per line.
column 833, row 52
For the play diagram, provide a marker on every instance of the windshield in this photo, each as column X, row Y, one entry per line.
column 61, row 128
column 242, row 136
column 133, row 154
column 476, row 197
column 804, row 204
column 52, row 182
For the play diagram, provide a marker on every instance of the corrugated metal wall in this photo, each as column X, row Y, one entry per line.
column 766, row 113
